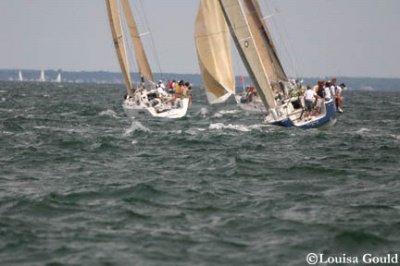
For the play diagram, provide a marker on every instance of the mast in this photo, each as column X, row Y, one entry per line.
column 254, row 10
column 214, row 52
column 116, row 30
column 141, row 58
column 248, row 49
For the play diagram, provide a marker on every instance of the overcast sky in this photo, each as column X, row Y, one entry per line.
column 316, row 38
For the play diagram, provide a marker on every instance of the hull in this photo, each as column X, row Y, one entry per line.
column 326, row 119
column 138, row 109
column 255, row 106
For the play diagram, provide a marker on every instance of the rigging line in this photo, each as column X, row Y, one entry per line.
column 286, row 45
column 151, row 39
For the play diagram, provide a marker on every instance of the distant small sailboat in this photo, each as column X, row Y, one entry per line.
column 143, row 99
column 42, row 77
column 20, row 77
column 58, row 79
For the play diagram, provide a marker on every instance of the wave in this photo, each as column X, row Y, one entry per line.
column 109, row 113
column 136, row 126
column 203, row 112
column 221, row 126
column 220, row 114
column 241, row 128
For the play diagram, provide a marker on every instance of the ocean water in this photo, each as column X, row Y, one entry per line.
column 83, row 184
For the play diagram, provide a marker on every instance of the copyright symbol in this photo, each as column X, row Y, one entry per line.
column 312, row 258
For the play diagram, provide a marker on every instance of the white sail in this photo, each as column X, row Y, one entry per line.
column 213, row 52
column 20, row 77
column 42, row 77
column 58, row 79
column 245, row 42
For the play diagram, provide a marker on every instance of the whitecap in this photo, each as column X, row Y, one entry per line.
column 178, row 132
column 135, row 126
column 225, row 112
column 221, row 126
column 3, row 99
column 194, row 131
column 363, row 130
column 395, row 137
column 109, row 113
column 203, row 112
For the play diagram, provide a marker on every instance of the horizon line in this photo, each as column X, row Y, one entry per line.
column 118, row 72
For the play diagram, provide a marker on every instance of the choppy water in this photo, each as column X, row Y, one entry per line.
column 82, row 184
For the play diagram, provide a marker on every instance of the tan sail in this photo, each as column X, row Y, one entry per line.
column 258, row 37
column 254, row 10
column 116, row 30
column 248, row 50
column 143, row 64
column 213, row 51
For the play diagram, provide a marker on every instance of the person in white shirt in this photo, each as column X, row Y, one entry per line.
column 309, row 96
column 339, row 97
column 161, row 93
column 327, row 91
column 161, row 84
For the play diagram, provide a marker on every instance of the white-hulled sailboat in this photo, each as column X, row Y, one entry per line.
column 140, row 99
column 257, row 51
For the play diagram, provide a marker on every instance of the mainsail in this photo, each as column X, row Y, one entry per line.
column 257, row 20
column 143, row 64
column 213, row 51
column 119, row 43
column 249, row 49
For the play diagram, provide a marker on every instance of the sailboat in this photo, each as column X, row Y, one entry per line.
column 212, row 39
column 20, row 77
column 257, row 51
column 42, row 77
column 141, row 98
column 58, row 79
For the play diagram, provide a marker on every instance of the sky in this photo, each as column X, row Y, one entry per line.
column 315, row 38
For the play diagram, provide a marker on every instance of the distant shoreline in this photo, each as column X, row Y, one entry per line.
column 108, row 77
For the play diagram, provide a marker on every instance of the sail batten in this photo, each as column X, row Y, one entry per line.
column 249, row 49
column 140, row 54
column 214, row 52
column 117, row 34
